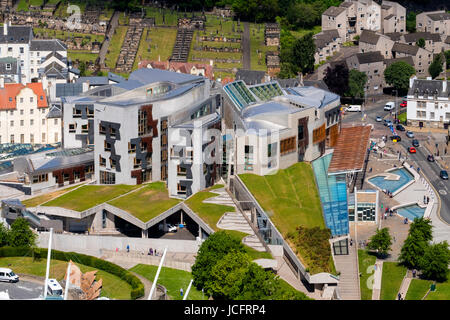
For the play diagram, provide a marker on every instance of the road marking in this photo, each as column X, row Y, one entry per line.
column 443, row 192
column 25, row 288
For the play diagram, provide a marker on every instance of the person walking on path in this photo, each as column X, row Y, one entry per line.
column 181, row 291
column 128, row 248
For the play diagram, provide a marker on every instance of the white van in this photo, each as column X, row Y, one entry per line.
column 354, row 108
column 8, row 275
column 389, row 106
column 54, row 288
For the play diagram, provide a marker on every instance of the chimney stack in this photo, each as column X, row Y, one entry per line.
column 5, row 28
column 411, row 81
column 444, row 85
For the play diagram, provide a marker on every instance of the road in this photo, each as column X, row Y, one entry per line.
column 24, row 290
column 429, row 169
column 104, row 49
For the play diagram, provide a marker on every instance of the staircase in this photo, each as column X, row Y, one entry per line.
column 235, row 220
column 182, row 45
column 348, row 280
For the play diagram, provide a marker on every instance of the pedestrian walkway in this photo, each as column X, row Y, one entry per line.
column 347, row 265
column 405, row 285
column 377, row 280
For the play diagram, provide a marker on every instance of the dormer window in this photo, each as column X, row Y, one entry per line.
column 8, row 66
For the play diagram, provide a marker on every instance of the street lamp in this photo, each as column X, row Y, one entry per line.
column 396, row 106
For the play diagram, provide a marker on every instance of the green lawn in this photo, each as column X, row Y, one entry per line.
column 160, row 41
column 113, row 286
column 365, row 259
column 82, row 56
column 254, row 254
column 61, row 11
column 171, row 279
column 170, row 18
column 258, row 48
column 36, row 2
column 442, row 291
column 208, row 212
column 23, row 5
column 114, row 47
column 417, row 289
column 301, row 32
column 89, row 196
column 64, row 35
column 392, row 278
column 146, row 203
column 33, row 202
column 290, row 197
column 402, row 117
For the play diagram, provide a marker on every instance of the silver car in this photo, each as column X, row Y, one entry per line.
column 410, row 134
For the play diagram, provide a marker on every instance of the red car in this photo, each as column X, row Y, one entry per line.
column 412, row 150
column 403, row 104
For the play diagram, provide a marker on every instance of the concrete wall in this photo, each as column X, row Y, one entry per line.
column 94, row 245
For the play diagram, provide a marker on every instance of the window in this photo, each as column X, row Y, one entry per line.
column 43, row 122
column 31, row 138
column 248, row 158
column 431, row 115
column 12, row 123
column 31, row 99
column 107, row 146
column 76, row 113
column 107, row 177
column 112, row 163
column 181, row 189
column 31, row 122
column 131, row 147
column 56, row 121
column 43, row 137
column 102, row 161
column 72, row 127
column 21, row 123
column 21, row 111
column 300, row 135
column 56, row 136
column 101, row 129
column 21, row 49
column 22, row 138
column 143, row 127
column 31, row 111
column 181, row 171
column 40, row 178
column 8, row 66
column 287, row 145
column 104, row 219
column 85, row 128
column 137, row 163
column 11, row 140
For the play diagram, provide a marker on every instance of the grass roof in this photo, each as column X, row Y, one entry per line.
column 147, row 202
column 89, row 196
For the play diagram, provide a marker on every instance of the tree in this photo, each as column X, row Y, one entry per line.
column 413, row 249
column 436, row 67
column 212, row 250
column 447, row 59
column 303, row 53
column 4, row 235
column 435, row 261
column 423, row 226
column 356, row 83
column 82, row 68
column 421, row 42
column 226, row 276
column 337, row 79
column 411, row 22
column 20, row 234
column 398, row 74
column 381, row 241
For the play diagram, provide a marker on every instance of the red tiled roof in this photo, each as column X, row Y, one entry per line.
column 183, row 67
column 350, row 149
column 9, row 93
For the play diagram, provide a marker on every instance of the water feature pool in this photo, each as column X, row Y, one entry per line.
column 411, row 212
column 393, row 185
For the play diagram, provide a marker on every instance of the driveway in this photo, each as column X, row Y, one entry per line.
column 23, row 290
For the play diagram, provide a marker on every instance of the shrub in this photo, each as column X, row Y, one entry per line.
column 136, row 284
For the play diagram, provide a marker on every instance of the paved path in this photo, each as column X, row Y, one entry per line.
column 377, row 280
column 405, row 285
column 147, row 285
column 113, row 24
column 347, row 265
column 246, row 62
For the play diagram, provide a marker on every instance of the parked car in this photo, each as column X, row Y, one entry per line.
column 389, row 106
column 8, row 275
column 171, row 228
column 388, row 123
column 444, row 175
column 403, row 104
column 354, row 108
column 410, row 134
column 412, row 150
column 415, row 143
column 399, row 127
column 379, row 119
column 397, row 138
column 430, row 158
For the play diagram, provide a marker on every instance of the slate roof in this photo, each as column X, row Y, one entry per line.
column 54, row 70
column 389, row 16
column 147, row 76
column 439, row 16
column 325, row 37
column 54, row 112
column 333, row 11
column 409, row 60
column 250, row 77
column 93, row 81
column 369, row 36
column 346, row 4
column 47, row 45
column 16, row 34
column 422, row 86
column 68, row 89
column 369, row 57
column 413, row 37
column 14, row 65
column 395, row 36
column 405, row 48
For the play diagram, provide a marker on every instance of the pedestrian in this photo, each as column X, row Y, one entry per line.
column 351, row 242
column 128, row 248
column 445, row 151
column 381, row 155
column 425, row 199
column 394, row 239
column 181, row 291
column 418, row 170
column 399, row 296
column 414, row 273
column 370, row 169
column 428, row 200
column 385, row 216
column 390, row 213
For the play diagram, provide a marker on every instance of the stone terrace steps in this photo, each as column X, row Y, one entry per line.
column 182, row 45
column 348, row 280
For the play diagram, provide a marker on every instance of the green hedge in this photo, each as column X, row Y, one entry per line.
column 136, row 284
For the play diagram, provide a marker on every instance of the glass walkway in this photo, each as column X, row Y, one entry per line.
column 333, row 195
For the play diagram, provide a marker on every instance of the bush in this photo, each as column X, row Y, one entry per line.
column 136, row 284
